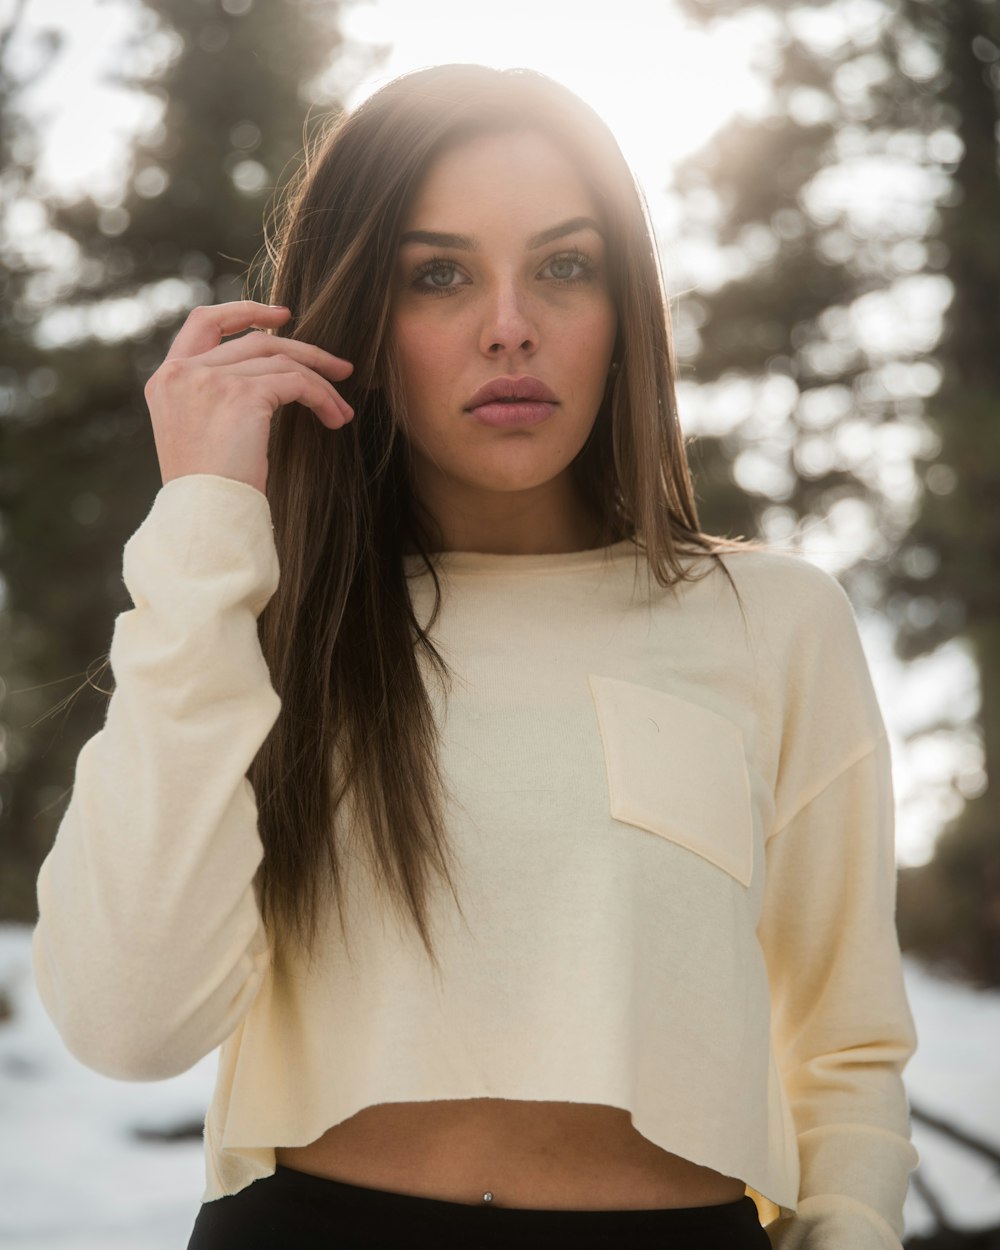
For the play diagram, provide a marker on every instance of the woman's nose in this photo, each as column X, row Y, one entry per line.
column 508, row 325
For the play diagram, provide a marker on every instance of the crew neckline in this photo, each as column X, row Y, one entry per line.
column 541, row 562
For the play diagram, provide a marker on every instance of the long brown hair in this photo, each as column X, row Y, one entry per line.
column 342, row 643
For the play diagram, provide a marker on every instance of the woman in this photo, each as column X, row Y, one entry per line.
column 570, row 917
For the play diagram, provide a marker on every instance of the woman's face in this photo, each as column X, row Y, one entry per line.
column 501, row 274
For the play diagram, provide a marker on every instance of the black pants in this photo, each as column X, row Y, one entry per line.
column 294, row 1210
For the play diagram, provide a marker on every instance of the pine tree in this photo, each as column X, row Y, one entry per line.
column 236, row 82
column 944, row 581
column 844, row 416
column 783, row 324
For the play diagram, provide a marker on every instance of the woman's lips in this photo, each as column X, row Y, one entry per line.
column 513, row 412
column 510, row 400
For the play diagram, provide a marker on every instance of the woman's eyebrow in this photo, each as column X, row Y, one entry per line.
column 465, row 243
column 570, row 226
column 437, row 238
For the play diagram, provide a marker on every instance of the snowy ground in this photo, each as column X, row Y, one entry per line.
column 73, row 1176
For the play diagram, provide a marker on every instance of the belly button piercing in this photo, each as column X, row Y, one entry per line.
column 488, row 1196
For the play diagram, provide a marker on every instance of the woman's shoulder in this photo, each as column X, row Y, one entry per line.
column 802, row 634
column 782, row 580
column 781, row 599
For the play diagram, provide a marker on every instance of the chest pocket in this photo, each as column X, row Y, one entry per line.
column 678, row 770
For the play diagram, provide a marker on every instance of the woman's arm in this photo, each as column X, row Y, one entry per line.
column 841, row 1024
column 150, row 948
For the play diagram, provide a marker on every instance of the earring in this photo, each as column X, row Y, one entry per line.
column 615, row 366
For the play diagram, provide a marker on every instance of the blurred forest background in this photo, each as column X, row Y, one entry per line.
column 843, row 371
column 917, row 97
column 842, row 431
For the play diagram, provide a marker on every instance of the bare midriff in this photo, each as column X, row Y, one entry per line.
column 555, row 1155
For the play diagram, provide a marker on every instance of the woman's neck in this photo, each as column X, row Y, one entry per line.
column 548, row 520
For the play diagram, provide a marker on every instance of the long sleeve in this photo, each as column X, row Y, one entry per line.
column 150, row 948
column 841, row 1022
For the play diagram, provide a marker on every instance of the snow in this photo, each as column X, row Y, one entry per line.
column 955, row 1074
column 73, row 1175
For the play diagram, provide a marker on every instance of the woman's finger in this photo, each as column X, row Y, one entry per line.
column 206, row 326
column 304, row 388
column 249, row 346
column 265, row 366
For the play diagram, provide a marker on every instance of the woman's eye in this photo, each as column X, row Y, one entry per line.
column 437, row 275
column 571, row 267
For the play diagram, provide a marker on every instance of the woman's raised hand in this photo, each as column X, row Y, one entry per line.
column 211, row 403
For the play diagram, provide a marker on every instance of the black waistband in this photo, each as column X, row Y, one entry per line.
column 736, row 1217
column 293, row 1210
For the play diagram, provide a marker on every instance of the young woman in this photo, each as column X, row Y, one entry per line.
column 528, row 851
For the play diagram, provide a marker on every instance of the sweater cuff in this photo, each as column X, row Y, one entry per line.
column 832, row 1222
column 203, row 531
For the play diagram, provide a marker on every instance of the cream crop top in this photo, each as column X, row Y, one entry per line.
column 673, row 833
